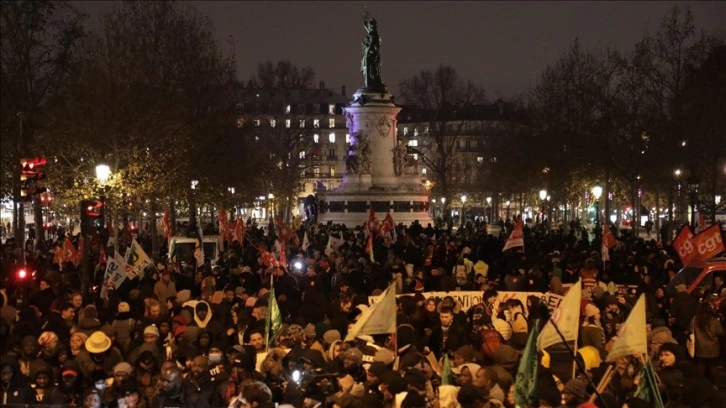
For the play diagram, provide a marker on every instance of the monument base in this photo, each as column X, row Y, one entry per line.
column 405, row 203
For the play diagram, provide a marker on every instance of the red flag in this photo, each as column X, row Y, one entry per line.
column 516, row 238
column 684, row 245
column 283, row 256
column 369, row 248
column 372, row 222
column 71, row 253
column 708, row 243
column 223, row 224
column 239, row 232
column 101, row 254
column 166, row 223
column 387, row 225
column 267, row 258
column 59, row 256
column 284, row 232
column 608, row 238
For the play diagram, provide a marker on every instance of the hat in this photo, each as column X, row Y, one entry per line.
column 681, row 287
column 70, row 367
column 597, row 292
column 183, row 295
column 591, row 310
column 394, row 382
column 180, row 319
column 246, row 269
column 405, row 336
column 415, row 378
column 310, row 331
column 128, row 388
column 331, row 335
column 294, row 331
column 355, row 355
column 576, row 387
column 179, row 331
column 98, row 342
column 122, row 367
column 80, row 334
column 151, row 329
column 377, row 368
column 46, row 338
column 124, row 307
column 465, row 352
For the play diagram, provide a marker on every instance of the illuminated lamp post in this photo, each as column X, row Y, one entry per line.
column 597, row 193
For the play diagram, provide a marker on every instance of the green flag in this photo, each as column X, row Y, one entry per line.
column 525, row 389
column 274, row 318
column 446, row 377
column 648, row 386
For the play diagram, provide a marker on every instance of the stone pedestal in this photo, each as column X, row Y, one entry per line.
column 371, row 179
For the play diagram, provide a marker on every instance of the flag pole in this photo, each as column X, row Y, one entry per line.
column 575, row 362
column 268, row 323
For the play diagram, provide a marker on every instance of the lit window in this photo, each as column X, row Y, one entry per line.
column 302, row 123
column 331, row 137
column 423, row 171
column 415, row 156
column 316, row 138
column 273, row 123
column 405, row 131
column 257, row 138
column 287, row 109
column 415, row 132
column 240, row 122
column 316, row 123
column 257, row 123
column 316, row 171
column 347, row 138
column 413, row 143
column 332, row 171
column 331, row 123
column 288, row 123
column 494, row 159
column 302, row 154
column 331, row 108
column 480, row 160
column 426, row 130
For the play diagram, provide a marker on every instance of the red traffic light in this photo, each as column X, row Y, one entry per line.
column 22, row 273
column 93, row 208
column 30, row 164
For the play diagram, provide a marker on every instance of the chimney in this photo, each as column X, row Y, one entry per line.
column 342, row 90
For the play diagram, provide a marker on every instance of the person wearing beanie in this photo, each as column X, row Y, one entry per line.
column 392, row 384
column 416, row 382
column 352, row 364
column 71, row 383
column 77, row 343
column 592, row 333
column 151, row 334
column 123, row 324
column 330, row 336
column 472, row 396
column 574, row 393
column 464, row 354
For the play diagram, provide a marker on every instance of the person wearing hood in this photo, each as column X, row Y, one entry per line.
column 591, row 332
column 165, row 287
column 89, row 323
column 123, row 324
column 202, row 317
column 28, row 323
column 708, row 333
column 673, row 369
column 45, row 392
column 13, row 387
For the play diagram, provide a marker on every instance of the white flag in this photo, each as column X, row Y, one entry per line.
column 516, row 238
column 379, row 318
column 136, row 260
column 567, row 318
column 114, row 276
column 333, row 244
column 306, row 242
column 632, row 335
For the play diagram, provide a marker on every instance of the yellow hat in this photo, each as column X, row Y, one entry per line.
column 590, row 356
column 545, row 359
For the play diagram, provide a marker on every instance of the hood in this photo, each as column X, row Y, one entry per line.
column 194, row 304
column 506, row 356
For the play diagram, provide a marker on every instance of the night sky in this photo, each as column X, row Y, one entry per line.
column 503, row 46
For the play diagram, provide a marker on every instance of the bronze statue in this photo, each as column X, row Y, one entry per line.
column 371, row 62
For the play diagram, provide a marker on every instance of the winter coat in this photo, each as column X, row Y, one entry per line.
column 707, row 338
column 17, row 391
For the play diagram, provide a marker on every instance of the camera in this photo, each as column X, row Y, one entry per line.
column 317, row 382
column 298, row 265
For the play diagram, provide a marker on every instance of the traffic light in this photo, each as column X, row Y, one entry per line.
column 30, row 174
column 92, row 216
column 22, row 274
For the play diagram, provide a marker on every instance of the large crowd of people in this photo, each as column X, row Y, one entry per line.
column 186, row 336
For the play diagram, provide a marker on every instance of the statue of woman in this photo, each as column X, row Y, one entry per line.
column 371, row 62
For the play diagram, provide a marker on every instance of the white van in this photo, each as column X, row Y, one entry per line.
column 182, row 248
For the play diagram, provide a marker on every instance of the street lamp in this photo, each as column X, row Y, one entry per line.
column 463, row 202
column 508, row 203
column 491, row 212
column 443, row 208
column 103, row 172
column 193, row 206
column 597, row 192
column 542, row 196
column 693, row 182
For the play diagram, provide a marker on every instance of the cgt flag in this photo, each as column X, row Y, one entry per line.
column 608, row 238
column 632, row 335
column 708, row 243
column 516, row 238
column 567, row 318
column 379, row 318
column 683, row 244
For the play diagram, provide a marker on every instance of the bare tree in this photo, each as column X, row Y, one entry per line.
column 441, row 98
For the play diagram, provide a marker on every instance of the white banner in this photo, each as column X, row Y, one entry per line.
column 469, row 299
column 632, row 335
column 114, row 276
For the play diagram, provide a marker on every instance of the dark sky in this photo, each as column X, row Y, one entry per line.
column 504, row 46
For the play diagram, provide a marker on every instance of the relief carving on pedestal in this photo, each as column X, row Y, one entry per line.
column 358, row 160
